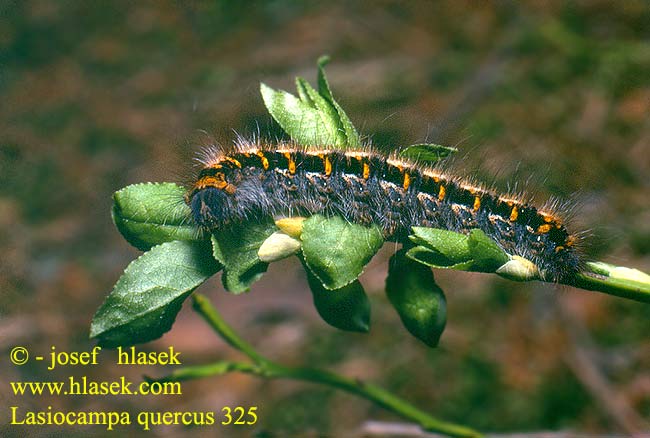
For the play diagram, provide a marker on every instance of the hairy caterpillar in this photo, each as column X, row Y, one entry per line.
column 255, row 180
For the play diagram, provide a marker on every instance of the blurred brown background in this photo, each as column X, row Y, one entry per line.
column 552, row 95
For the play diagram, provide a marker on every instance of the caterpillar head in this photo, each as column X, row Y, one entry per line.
column 211, row 197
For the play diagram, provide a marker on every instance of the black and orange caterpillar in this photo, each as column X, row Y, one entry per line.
column 254, row 181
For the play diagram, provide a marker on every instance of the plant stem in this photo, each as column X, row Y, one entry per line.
column 365, row 390
column 202, row 305
column 266, row 368
column 614, row 280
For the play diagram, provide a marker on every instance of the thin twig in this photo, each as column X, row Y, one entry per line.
column 381, row 428
column 266, row 368
column 202, row 305
column 602, row 277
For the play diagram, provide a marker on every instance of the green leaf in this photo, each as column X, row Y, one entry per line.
column 619, row 272
column 487, row 255
column 352, row 137
column 303, row 93
column 304, row 123
column 346, row 308
column 434, row 259
column 151, row 214
column 145, row 300
column 314, row 118
column 236, row 248
column 614, row 280
column 326, row 111
column 419, row 301
column 337, row 251
column 448, row 247
column 427, row 152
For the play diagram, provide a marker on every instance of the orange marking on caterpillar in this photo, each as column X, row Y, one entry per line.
column 209, row 181
column 265, row 161
column 441, row 193
column 328, row 165
column 366, row 170
column 545, row 228
column 550, row 218
column 477, row 203
column 218, row 181
column 514, row 214
column 407, row 180
column 233, row 161
column 292, row 163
